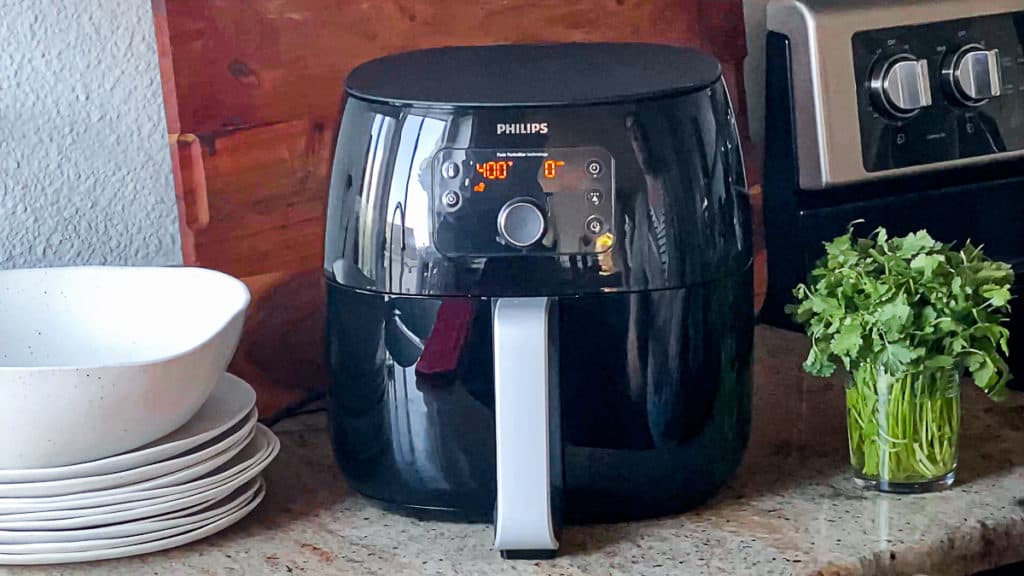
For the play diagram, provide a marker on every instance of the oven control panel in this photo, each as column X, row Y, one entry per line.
column 554, row 201
column 940, row 91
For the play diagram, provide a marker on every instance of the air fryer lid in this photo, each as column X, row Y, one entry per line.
column 533, row 75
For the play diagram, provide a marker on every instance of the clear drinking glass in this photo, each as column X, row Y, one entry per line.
column 903, row 430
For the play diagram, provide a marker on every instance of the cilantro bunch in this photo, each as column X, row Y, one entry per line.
column 907, row 305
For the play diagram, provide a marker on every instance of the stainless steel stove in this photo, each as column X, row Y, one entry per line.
column 902, row 113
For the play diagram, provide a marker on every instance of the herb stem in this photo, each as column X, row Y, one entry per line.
column 903, row 428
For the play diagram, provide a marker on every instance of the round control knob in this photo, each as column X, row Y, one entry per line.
column 521, row 223
column 974, row 75
column 901, row 86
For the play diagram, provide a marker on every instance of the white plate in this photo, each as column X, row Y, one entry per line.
column 127, row 478
column 97, row 361
column 231, row 400
column 133, row 545
column 252, row 454
column 12, row 541
column 174, row 478
column 99, row 517
column 85, row 517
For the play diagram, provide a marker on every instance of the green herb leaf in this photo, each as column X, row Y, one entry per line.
column 926, row 263
column 848, row 341
column 907, row 304
column 893, row 316
column 939, row 362
column 896, row 358
column 818, row 364
column 915, row 244
column 998, row 296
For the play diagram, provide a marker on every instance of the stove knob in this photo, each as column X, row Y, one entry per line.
column 902, row 86
column 975, row 75
column 521, row 223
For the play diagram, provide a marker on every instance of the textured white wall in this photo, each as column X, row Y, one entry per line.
column 85, row 174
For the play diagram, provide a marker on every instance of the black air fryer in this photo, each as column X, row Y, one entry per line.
column 539, row 285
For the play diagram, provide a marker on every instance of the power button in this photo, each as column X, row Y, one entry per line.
column 451, row 199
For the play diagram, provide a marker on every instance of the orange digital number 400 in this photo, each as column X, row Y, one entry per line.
column 494, row 170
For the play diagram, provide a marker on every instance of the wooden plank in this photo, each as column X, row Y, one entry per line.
column 282, row 351
column 760, row 253
column 265, row 61
column 722, row 33
column 267, row 188
column 190, row 191
column 164, row 54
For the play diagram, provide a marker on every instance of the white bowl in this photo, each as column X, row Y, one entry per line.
column 96, row 361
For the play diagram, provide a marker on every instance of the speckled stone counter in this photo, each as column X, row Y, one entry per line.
column 792, row 509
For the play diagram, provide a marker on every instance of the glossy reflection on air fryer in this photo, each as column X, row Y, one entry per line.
column 655, row 395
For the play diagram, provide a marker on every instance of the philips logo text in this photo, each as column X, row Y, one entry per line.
column 526, row 128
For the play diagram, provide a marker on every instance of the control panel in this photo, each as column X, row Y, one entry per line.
column 555, row 201
column 940, row 91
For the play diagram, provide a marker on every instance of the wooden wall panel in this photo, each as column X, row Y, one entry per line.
column 265, row 195
column 248, row 63
column 253, row 90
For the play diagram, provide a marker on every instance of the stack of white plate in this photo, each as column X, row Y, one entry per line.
column 195, row 481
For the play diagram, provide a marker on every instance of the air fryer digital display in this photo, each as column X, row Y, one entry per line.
column 500, row 169
column 573, row 189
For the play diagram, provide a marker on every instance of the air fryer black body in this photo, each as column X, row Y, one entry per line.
column 651, row 311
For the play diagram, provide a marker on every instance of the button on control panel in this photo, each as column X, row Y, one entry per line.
column 941, row 91
column 452, row 199
column 514, row 202
column 450, row 170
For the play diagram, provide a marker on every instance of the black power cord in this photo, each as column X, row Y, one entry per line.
column 301, row 408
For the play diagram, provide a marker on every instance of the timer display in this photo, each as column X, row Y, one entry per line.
column 551, row 168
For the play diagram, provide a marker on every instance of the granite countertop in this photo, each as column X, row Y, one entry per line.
column 792, row 509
